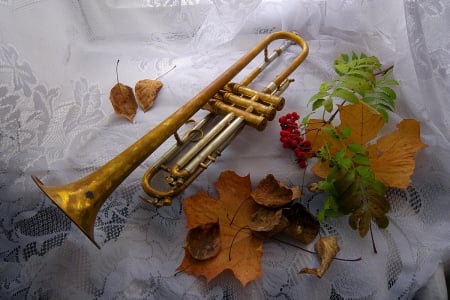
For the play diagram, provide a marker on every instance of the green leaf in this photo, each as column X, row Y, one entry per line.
column 346, row 95
column 361, row 160
column 388, row 91
column 364, row 172
column 306, row 118
column 325, row 86
column 366, row 75
column 346, row 132
column 378, row 187
column 350, row 199
column 328, row 105
column 382, row 222
column 384, row 114
column 318, row 103
column 317, row 96
column 343, row 182
column 346, row 163
column 355, row 84
column 357, row 148
column 344, row 57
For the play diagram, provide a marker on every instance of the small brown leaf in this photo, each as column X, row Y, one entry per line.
column 146, row 92
column 326, row 248
column 267, row 222
column 274, row 194
column 123, row 101
column 203, row 241
column 303, row 226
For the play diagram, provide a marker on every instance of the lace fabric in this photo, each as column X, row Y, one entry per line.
column 57, row 65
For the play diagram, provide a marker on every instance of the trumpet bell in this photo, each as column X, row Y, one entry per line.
column 82, row 212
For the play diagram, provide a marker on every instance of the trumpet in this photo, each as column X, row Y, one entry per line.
column 235, row 103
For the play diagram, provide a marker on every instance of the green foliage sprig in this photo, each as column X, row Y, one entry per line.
column 358, row 79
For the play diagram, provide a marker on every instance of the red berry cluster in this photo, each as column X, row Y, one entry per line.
column 292, row 136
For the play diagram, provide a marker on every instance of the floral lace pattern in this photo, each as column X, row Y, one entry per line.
column 57, row 123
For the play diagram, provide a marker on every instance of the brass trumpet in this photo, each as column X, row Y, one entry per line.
column 81, row 200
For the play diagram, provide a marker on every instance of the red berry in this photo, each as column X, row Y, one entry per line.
column 302, row 164
column 284, row 132
column 293, row 143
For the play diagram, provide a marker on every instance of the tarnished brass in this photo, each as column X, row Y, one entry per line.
column 82, row 199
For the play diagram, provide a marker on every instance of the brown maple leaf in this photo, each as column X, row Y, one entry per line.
column 241, row 251
column 123, row 101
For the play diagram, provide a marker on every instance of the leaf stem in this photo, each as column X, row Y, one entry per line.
column 117, row 70
column 313, row 252
column 373, row 240
column 383, row 72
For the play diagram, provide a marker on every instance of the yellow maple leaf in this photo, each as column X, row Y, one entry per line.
column 392, row 157
column 364, row 122
column 241, row 251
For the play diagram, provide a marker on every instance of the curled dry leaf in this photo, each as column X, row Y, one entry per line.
column 326, row 248
column 146, row 92
column 203, row 241
column 267, row 222
column 274, row 194
column 123, row 101
column 303, row 226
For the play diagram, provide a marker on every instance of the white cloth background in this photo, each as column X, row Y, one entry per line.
column 57, row 65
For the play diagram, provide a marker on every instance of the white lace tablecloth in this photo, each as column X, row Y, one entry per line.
column 57, row 65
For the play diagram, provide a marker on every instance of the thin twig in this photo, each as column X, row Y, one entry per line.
column 313, row 252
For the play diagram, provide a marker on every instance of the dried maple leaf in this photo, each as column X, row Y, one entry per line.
column 123, row 101
column 241, row 251
column 326, row 248
column 274, row 194
column 203, row 241
column 392, row 157
column 146, row 92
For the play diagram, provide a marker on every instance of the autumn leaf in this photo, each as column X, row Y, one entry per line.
column 146, row 92
column 274, row 194
column 267, row 222
column 365, row 123
column 302, row 225
column 392, row 157
column 316, row 133
column 203, row 241
column 326, row 248
column 241, row 251
column 123, row 101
